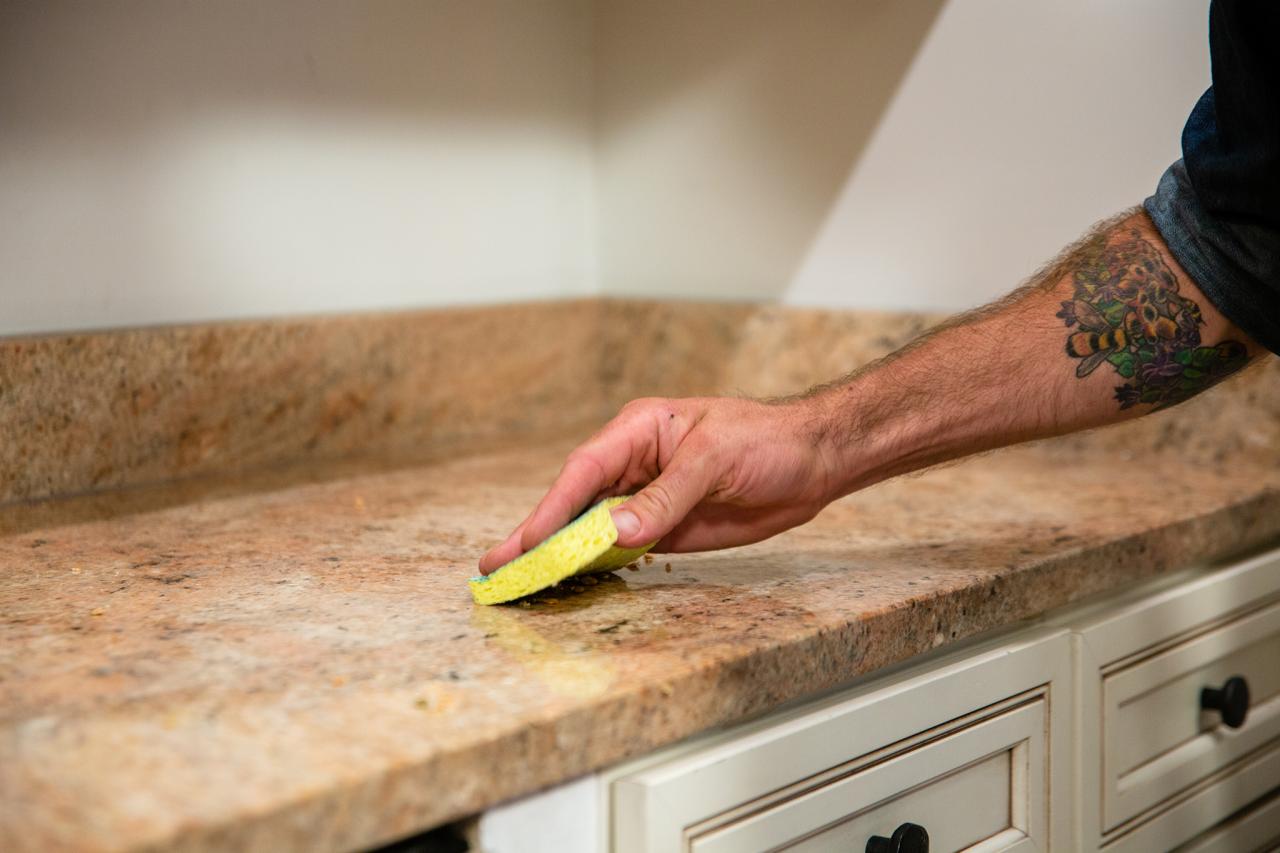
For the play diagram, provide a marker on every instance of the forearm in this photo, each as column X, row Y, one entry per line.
column 1113, row 330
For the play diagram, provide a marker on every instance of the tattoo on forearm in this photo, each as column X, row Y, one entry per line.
column 1127, row 312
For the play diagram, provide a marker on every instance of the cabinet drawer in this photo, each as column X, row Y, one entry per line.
column 1213, row 803
column 983, row 720
column 1157, row 740
column 1147, row 749
column 1254, row 830
column 981, row 785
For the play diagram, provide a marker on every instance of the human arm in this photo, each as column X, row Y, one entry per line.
column 1111, row 330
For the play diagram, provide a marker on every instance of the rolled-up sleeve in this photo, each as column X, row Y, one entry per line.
column 1218, row 208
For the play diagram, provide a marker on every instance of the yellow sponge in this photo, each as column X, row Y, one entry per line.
column 582, row 546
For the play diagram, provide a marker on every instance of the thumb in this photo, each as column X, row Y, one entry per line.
column 656, row 509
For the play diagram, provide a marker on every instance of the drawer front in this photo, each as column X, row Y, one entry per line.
column 982, row 785
column 1255, row 830
column 1185, row 819
column 1157, row 740
column 852, row 763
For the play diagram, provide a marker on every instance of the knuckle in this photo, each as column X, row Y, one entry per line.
column 589, row 464
column 658, row 499
column 705, row 447
column 645, row 404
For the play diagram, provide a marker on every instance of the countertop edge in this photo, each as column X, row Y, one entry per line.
column 344, row 815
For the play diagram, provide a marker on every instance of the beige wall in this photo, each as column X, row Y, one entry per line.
column 166, row 161
column 170, row 161
column 877, row 153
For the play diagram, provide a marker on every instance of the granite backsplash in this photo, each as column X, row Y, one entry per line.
column 86, row 412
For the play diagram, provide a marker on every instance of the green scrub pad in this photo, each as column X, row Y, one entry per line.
column 582, row 546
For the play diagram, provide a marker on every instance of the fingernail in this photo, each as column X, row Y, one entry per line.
column 626, row 522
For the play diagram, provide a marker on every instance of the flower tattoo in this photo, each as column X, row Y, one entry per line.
column 1127, row 312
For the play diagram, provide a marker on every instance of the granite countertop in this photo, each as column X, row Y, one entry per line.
column 298, row 665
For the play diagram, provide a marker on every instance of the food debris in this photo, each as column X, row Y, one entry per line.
column 667, row 567
column 436, row 699
column 359, row 503
column 666, row 689
column 635, row 567
column 648, row 558
column 550, row 601
column 337, row 681
column 97, row 611
column 589, row 581
column 75, row 570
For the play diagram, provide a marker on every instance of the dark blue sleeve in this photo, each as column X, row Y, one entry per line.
column 1218, row 208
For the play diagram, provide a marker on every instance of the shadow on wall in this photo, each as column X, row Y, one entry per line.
column 108, row 66
column 893, row 156
column 184, row 161
column 727, row 128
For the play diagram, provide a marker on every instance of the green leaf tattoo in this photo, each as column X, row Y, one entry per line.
column 1126, row 311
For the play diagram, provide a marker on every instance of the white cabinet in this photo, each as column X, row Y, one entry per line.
column 1158, row 740
column 1185, row 816
column 1254, row 830
column 1156, row 767
column 980, row 784
column 967, row 747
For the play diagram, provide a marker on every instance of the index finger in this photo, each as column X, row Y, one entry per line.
column 588, row 471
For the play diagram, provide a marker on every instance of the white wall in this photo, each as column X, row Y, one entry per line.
column 871, row 154
column 168, row 161
column 173, row 160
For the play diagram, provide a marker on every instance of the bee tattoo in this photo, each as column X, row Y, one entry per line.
column 1127, row 312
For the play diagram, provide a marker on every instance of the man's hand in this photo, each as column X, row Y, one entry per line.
column 710, row 473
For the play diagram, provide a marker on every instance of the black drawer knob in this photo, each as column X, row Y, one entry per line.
column 1231, row 700
column 908, row 838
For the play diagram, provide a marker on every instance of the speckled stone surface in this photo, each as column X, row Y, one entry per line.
column 687, row 348
column 85, row 412
column 302, row 669
column 289, row 660
column 89, row 412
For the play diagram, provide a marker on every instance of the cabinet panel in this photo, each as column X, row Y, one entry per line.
column 1156, row 738
column 998, row 709
column 1254, row 830
column 1203, row 806
column 1147, row 751
column 982, row 784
